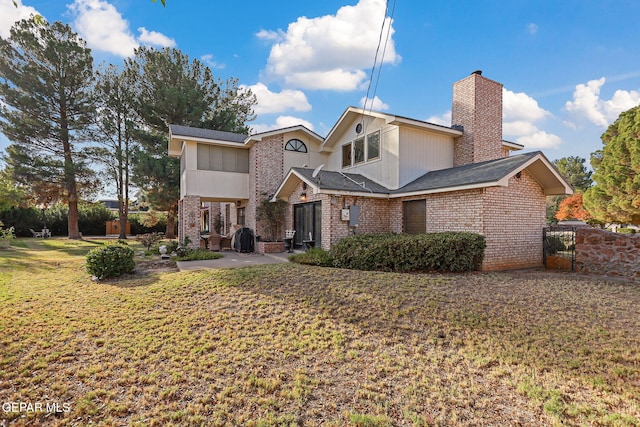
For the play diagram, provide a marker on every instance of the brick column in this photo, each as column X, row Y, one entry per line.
column 190, row 220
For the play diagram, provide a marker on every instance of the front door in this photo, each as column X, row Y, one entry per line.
column 307, row 218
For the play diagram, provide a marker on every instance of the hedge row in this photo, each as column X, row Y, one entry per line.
column 443, row 252
column 92, row 220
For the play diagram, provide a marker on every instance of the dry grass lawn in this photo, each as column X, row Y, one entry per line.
column 295, row 345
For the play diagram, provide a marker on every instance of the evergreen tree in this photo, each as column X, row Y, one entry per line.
column 46, row 72
column 173, row 89
column 615, row 197
column 114, row 129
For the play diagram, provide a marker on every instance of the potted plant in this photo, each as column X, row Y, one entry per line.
column 271, row 214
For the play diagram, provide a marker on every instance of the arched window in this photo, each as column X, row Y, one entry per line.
column 296, row 145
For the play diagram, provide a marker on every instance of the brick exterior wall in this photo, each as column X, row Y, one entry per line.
column 514, row 217
column 266, row 171
column 511, row 219
column 611, row 254
column 189, row 220
column 477, row 106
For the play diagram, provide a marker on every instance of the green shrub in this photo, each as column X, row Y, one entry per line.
column 112, row 260
column 445, row 252
column 313, row 256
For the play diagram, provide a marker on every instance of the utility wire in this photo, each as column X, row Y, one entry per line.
column 375, row 60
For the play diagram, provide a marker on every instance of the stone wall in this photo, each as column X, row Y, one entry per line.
column 611, row 254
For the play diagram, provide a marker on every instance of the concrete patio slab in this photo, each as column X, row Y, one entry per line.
column 233, row 260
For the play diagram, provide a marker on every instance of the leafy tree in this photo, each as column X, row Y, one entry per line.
column 572, row 207
column 573, row 169
column 11, row 194
column 173, row 89
column 46, row 72
column 616, row 195
column 114, row 129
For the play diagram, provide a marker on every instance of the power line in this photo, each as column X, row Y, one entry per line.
column 375, row 60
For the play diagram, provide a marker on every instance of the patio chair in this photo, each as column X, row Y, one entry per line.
column 36, row 233
column 214, row 242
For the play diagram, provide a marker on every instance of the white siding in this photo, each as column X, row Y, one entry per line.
column 215, row 186
column 383, row 170
column 421, row 152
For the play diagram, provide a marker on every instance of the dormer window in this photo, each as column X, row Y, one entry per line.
column 296, row 145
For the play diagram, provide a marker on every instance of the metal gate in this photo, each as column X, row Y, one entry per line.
column 559, row 247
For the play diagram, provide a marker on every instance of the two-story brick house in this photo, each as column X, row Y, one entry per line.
column 377, row 172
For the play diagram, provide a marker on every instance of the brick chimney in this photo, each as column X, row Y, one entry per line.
column 477, row 107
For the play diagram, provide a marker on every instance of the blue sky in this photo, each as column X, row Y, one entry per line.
column 568, row 67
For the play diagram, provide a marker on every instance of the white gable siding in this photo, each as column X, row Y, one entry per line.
column 421, row 152
column 384, row 169
column 311, row 158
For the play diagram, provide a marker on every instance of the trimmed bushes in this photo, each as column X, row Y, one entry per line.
column 313, row 256
column 443, row 252
column 112, row 260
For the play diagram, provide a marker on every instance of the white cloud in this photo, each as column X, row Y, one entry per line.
column 10, row 14
column 586, row 103
column 155, row 38
column 520, row 106
column 521, row 116
column 272, row 102
column 330, row 52
column 443, row 119
column 270, row 35
column 282, row 122
column 376, row 104
column 540, row 139
column 103, row 27
column 532, row 28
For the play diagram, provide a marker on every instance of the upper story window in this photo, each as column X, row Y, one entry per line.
column 373, row 145
column 346, row 155
column 296, row 145
column 361, row 149
column 224, row 159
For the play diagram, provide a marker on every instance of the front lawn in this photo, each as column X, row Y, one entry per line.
column 288, row 344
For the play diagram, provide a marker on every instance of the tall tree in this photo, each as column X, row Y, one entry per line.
column 46, row 72
column 573, row 169
column 575, row 172
column 615, row 197
column 114, row 129
column 173, row 89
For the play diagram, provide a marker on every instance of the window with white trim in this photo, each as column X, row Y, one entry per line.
column 296, row 145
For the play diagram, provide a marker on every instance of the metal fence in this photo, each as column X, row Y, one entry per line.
column 559, row 247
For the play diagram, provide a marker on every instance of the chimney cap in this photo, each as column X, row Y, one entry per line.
column 478, row 72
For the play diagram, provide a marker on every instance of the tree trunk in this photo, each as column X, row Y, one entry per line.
column 170, row 232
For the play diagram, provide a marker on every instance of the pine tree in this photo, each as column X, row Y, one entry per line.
column 173, row 89
column 616, row 194
column 46, row 72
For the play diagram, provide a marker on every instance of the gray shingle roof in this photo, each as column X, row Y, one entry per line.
column 471, row 174
column 207, row 133
column 331, row 180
